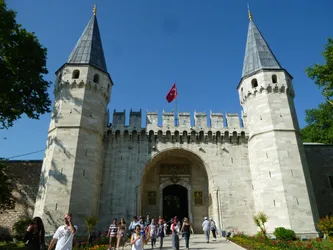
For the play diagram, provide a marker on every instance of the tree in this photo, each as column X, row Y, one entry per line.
column 323, row 74
column 91, row 222
column 260, row 219
column 22, row 66
column 7, row 200
column 319, row 124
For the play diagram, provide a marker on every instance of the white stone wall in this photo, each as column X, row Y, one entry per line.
column 72, row 167
column 225, row 158
column 281, row 184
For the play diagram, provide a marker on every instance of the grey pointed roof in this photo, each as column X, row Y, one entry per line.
column 258, row 55
column 89, row 49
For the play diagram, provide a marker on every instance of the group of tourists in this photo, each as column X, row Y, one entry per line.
column 144, row 230
column 140, row 231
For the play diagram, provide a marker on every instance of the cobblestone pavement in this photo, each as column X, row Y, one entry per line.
column 197, row 242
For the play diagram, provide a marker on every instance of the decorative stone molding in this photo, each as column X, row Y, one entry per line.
column 67, row 85
column 269, row 89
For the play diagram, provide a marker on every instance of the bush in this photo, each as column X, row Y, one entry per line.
column 20, row 227
column 282, row 233
column 326, row 226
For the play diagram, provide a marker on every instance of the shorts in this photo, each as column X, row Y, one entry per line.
column 113, row 241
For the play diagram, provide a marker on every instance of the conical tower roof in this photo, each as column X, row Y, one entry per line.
column 89, row 49
column 258, row 54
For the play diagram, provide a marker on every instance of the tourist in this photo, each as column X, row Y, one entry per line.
column 206, row 228
column 161, row 231
column 142, row 226
column 147, row 223
column 175, row 234
column 64, row 235
column 121, row 238
column 213, row 228
column 186, row 231
column 133, row 224
column 137, row 240
column 35, row 235
column 112, row 233
column 153, row 233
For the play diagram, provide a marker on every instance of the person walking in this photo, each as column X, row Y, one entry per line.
column 35, row 235
column 133, row 224
column 213, row 228
column 153, row 233
column 175, row 234
column 121, row 237
column 186, row 231
column 206, row 228
column 161, row 231
column 113, row 233
column 137, row 240
column 63, row 237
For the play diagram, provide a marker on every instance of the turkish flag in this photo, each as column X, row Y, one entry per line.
column 172, row 95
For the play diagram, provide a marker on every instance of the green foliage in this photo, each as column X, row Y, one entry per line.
column 326, row 226
column 322, row 74
column 91, row 222
column 282, row 233
column 320, row 124
column 20, row 227
column 260, row 219
column 22, row 66
column 7, row 200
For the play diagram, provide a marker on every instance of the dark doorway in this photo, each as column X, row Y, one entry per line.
column 175, row 202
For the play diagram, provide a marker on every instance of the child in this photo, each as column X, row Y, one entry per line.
column 137, row 240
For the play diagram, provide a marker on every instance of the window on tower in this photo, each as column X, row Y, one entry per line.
column 76, row 74
column 96, row 78
column 274, row 79
column 254, row 83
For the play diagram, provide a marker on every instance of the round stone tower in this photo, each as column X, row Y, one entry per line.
column 72, row 168
column 280, row 176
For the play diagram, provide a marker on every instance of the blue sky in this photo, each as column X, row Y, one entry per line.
column 148, row 44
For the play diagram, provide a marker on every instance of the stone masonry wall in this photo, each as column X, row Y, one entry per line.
column 320, row 161
column 25, row 176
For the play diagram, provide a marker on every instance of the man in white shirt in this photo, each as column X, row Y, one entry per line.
column 64, row 235
column 206, row 228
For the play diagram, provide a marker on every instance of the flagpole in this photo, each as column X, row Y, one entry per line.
column 176, row 113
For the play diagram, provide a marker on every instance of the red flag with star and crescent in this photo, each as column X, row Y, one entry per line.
column 172, row 95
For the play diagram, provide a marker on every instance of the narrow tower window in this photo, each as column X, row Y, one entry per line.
column 76, row 74
column 96, row 78
column 254, row 83
column 274, row 79
column 59, row 78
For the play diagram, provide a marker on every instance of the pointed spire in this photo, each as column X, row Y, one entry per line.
column 258, row 55
column 89, row 49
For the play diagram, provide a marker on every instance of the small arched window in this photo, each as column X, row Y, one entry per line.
column 76, row 74
column 254, row 83
column 242, row 93
column 108, row 87
column 96, row 78
column 274, row 79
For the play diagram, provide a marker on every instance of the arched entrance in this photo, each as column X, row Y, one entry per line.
column 175, row 202
column 175, row 183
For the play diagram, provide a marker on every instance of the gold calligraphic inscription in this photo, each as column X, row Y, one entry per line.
column 198, row 198
column 175, row 169
column 151, row 198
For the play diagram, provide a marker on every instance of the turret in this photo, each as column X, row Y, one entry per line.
column 72, row 168
column 280, row 176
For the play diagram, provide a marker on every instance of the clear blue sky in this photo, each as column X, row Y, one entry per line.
column 148, row 44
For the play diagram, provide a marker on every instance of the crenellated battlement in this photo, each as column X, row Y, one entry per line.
column 183, row 123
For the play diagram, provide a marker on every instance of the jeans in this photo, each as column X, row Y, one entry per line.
column 187, row 239
column 161, row 241
column 207, row 232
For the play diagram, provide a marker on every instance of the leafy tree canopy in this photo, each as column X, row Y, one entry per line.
column 323, row 74
column 22, row 65
column 319, row 124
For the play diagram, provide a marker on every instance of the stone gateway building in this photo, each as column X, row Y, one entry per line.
column 228, row 168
